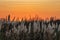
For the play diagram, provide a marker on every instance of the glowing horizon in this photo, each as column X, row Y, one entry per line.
column 27, row 8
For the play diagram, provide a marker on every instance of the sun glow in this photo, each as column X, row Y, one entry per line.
column 22, row 8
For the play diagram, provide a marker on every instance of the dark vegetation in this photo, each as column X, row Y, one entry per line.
column 42, row 32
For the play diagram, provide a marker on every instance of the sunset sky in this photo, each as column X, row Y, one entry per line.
column 27, row 8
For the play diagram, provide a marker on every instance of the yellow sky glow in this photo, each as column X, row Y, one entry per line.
column 22, row 8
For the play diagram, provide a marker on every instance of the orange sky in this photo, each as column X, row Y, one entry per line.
column 26, row 8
